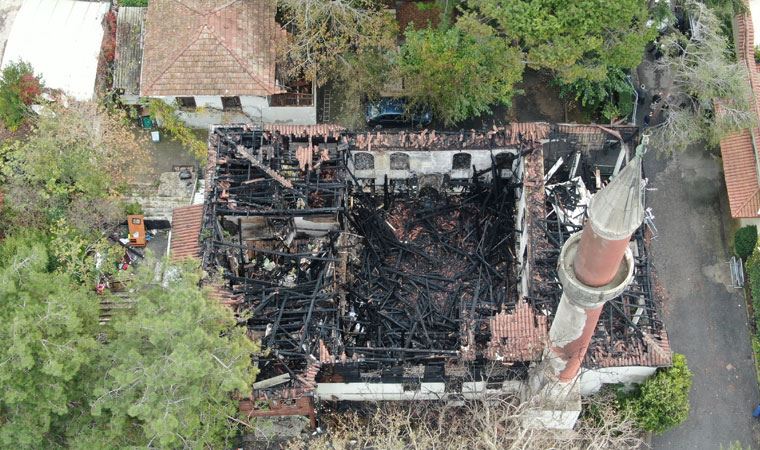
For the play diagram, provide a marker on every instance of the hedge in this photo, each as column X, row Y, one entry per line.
column 753, row 272
column 662, row 401
column 745, row 241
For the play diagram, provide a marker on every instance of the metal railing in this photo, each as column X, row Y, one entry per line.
column 737, row 272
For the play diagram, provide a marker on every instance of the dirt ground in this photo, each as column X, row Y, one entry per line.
column 537, row 101
column 166, row 153
column 420, row 14
column 540, row 101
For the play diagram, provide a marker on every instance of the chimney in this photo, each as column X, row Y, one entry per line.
column 595, row 265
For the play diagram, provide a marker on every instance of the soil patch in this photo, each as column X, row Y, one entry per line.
column 540, row 101
column 421, row 14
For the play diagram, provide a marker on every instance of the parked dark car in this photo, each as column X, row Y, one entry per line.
column 391, row 112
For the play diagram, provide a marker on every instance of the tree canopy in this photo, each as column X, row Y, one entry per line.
column 459, row 72
column 611, row 97
column 76, row 157
column 165, row 373
column 323, row 33
column 170, row 370
column 19, row 87
column 574, row 38
column 47, row 343
column 711, row 96
column 662, row 401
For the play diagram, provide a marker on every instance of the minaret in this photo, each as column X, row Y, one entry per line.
column 595, row 265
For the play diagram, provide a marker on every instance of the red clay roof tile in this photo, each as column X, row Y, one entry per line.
column 186, row 230
column 202, row 47
column 738, row 150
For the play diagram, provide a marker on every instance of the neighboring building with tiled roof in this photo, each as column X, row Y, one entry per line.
column 217, row 60
column 739, row 150
column 210, row 48
column 186, row 230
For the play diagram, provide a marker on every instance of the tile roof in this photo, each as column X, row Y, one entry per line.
column 652, row 351
column 186, row 230
column 202, row 47
column 518, row 336
column 738, row 154
column 224, row 295
column 129, row 49
column 322, row 129
column 738, row 150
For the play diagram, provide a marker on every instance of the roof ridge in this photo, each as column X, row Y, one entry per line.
column 181, row 3
column 749, row 198
column 244, row 65
column 210, row 11
column 176, row 57
column 221, row 7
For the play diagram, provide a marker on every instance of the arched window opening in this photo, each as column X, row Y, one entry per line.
column 461, row 161
column 364, row 161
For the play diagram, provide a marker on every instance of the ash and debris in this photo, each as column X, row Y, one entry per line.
column 346, row 281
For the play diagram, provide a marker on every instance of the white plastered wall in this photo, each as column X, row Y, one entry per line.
column 592, row 380
column 253, row 109
column 425, row 163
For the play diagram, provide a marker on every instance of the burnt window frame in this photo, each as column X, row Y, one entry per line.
column 458, row 165
column 187, row 102
column 395, row 157
column 231, row 103
column 499, row 157
column 370, row 158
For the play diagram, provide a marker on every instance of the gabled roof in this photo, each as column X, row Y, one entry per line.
column 738, row 150
column 741, row 175
column 210, row 47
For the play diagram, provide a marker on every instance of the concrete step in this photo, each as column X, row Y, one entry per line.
column 159, row 208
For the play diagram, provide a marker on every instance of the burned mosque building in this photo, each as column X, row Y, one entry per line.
column 431, row 265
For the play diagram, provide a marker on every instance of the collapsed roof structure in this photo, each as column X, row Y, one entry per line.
column 410, row 264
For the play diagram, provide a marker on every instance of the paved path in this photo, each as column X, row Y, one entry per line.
column 705, row 318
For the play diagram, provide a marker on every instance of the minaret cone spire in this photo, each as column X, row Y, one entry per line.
column 614, row 214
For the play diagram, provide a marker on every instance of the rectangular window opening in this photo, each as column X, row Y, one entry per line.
column 231, row 103
column 186, row 102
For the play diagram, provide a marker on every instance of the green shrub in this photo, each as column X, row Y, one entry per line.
column 611, row 97
column 18, row 89
column 756, row 351
column 745, row 241
column 133, row 208
column 735, row 445
column 753, row 272
column 133, row 2
column 663, row 400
